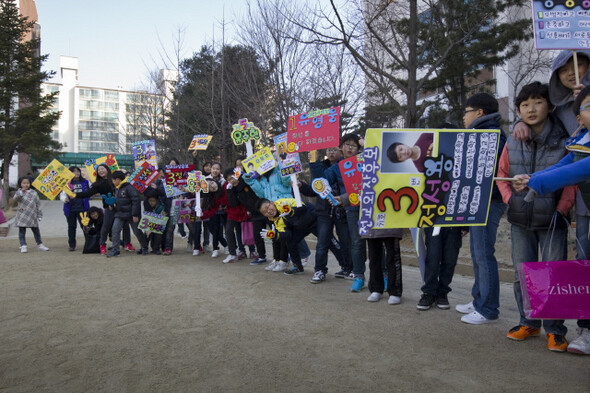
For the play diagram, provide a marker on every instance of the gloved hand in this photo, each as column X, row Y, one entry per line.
column 109, row 199
column 84, row 219
column 268, row 233
column 285, row 210
column 199, row 212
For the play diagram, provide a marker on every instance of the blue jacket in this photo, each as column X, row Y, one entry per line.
column 333, row 175
column 77, row 205
column 273, row 187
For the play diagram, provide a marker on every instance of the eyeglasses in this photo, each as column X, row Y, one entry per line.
column 466, row 111
column 585, row 107
column 333, row 150
column 350, row 145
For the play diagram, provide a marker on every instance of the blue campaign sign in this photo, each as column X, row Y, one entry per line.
column 561, row 24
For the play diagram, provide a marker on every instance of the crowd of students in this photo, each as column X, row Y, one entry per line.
column 264, row 204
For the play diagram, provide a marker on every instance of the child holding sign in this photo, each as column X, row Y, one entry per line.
column 28, row 214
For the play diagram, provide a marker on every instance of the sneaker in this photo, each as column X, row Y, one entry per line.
column 304, row 261
column 72, row 249
column 357, row 285
column 103, row 249
column 254, row 255
column 113, row 253
column 167, row 251
column 142, row 251
column 350, row 276
column 42, row 247
column 258, row 261
column 374, row 297
column 242, row 255
column 230, row 259
column 465, row 308
column 394, row 300
column 318, row 277
column 556, row 342
column 196, row 252
column 442, row 302
column 476, row 318
column 293, row 271
column 581, row 344
column 215, row 254
column 341, row 274
column 521, row 332
column 129, row 247
column 426, row 301
column 23, row 249
column 271, row 265
column 280, row 266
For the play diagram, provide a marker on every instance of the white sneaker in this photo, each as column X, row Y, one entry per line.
column 226, row 250
column 23, row 249
column 196, row 252
column 304, row 261
column 465, row 308
column 374, row 297
column 476, row 318
column 394, row 300
column 215, row 254
column 230, row 258
column 581, row 344
column 280, row 267
column 271, row 265
column 42, row 247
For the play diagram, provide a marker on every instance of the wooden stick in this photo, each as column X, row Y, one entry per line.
column 505, row 179
column 576, row 68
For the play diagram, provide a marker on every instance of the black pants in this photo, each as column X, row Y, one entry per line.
column 393, row 261
column 257, row 226
column 73, row 220
column 292, row 243
column 217, row 226
column 442, row 252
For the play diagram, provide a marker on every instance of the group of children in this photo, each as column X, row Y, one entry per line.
column 262, row 207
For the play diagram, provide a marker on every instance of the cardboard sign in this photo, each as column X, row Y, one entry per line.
column 321, row 187
column 92, row 164
column 561, row 24
column 172, row 191
column 261, row 162
column 143, row 176
column 177, row 174
column 145, row 151
column 446, row 181
column 352, row 176
column 200, row 142
column 152, row 222
column 53, row 180
column 244, row 131
column 289, row 161
column 314, row 130
column 196, row 182
column 186, row 213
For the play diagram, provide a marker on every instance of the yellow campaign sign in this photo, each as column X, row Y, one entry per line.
column 262, row 161
column 53, row 180
column 427, row 177
column 91, row 165
column 200, row 142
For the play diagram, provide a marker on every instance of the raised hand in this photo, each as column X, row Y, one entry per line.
column 268, row 233
column 109, row 199
column 84, row 219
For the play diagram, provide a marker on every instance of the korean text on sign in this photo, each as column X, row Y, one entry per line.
column 315, row 130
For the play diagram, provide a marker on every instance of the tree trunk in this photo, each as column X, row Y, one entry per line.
column 6, row 180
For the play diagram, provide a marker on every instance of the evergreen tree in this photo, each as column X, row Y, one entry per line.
column 25, row 119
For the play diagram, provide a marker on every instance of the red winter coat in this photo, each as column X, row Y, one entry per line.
column 235, row 210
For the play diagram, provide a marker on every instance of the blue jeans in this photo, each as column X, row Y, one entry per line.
column 583, row 249
column 486, row 288
column 358, row 245
column 442, row 252
column 304, row 250
column 325, row 241
column 525, row 248
column 36, row 234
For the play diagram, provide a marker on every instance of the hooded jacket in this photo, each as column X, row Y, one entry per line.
column 128, row 204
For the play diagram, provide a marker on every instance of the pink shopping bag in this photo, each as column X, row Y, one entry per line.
column 556, row 290
column 247, row 233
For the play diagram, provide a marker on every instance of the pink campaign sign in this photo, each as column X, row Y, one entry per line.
column 556, row 290
column 314, row 130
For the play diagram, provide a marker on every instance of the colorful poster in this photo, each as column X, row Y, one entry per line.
column 92, row 164
column 200, row 142
column 314, row 130
column 53, row 180
column 196, row 182
column 244, row 131
column 289, row 161
column 143, row 176
column 186, row 212
column 260, row 162
column 352, row 176
column 421, row 178
column 561, row 24
column 152, row 222
column 172, row 191
column 177, row 174
column 145, row 151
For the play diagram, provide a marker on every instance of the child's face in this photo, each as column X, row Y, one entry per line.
column 567, row 75
column 268, row 210
column 76, row 173
column 534, row 111
column 25, row 184
column 349, row 148
column 215, row 170
column 584, row 116
column 116, row 182
column 233, row 181
column 94, row 215
column 153, row 202
column 213, row 186
column 239, row 165
column 207, row 168
column 470, row 114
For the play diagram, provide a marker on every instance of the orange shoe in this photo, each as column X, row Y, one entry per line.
column 556, row 342
column 521, row 332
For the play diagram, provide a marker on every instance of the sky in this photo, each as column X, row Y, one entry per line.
column 116, row 41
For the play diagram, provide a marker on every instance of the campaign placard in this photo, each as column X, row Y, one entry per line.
column 196, row 182
column 152, row 222
column 352, row 177
column 314, row 130
column 186, row 212
column 145, row 151
column 421, row 178
column 289, row 161
column 176, row 175
column 172, row 191
column 561, row 24
column 143, row 176
column 92, row 164
column 260, row 162
column 53, row 180
column 200, row 142
column 244, row 131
